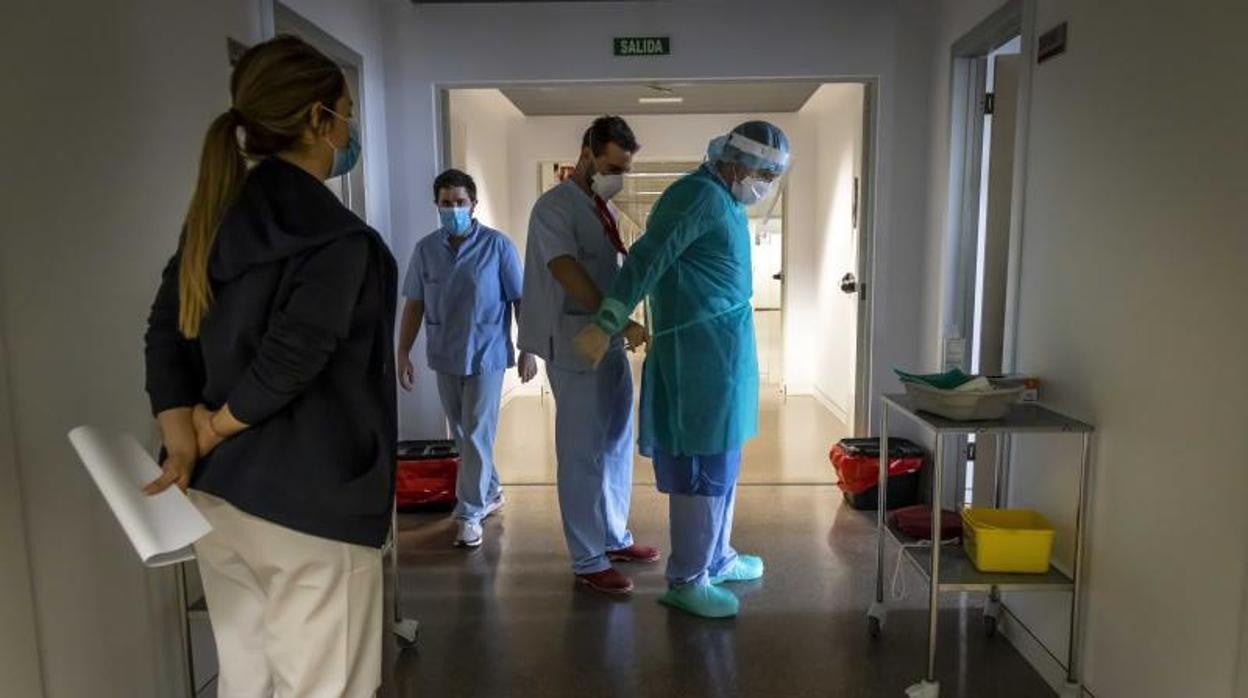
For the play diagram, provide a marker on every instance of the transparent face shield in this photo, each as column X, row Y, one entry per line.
column 767, row 164
column 759, row 162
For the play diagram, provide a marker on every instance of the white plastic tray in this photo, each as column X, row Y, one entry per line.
column 964, row 406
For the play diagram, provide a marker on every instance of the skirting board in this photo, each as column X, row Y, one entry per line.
column 836, row 410
column 1049, row 668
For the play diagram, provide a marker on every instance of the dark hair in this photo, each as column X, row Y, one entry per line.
column 609, row 129
column 274, row 86
column 453, row 179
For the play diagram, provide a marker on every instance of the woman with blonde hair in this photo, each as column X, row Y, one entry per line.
column 271, row 372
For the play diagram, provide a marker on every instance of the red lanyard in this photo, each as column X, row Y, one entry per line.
column 608, row 225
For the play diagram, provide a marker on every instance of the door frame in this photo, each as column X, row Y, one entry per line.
column 277, row 16
column 968, row 68
column 865, row 354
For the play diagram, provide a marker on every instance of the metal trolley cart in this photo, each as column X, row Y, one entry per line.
column 946, row 568
column 406, row 630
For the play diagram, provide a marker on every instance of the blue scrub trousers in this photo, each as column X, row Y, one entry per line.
column 471, row 406
column 594, row 447
column 701, row 537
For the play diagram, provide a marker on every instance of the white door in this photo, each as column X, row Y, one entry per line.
column 839, row 288
column 995, row 240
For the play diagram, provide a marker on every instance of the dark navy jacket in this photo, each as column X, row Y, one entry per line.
column 299, row 342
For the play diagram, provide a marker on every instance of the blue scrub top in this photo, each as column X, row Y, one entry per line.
column 466, row 293
column 564, row 223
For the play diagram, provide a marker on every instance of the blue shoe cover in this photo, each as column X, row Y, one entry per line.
column 746, row 568
column 705, row 601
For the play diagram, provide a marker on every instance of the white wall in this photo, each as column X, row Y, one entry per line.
column 839, row 38
column 19, row 650
column 484, row 123
column 1131, row 306
column 824, row 313
column 1241, row 690
column 115, row 99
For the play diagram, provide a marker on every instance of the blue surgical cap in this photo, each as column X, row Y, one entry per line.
column 758, row 145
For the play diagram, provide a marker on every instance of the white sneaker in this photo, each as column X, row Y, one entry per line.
column 469, row 535
column 495, row 505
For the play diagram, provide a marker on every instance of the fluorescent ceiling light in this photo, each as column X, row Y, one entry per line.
column 650, row 193
column 660, row 100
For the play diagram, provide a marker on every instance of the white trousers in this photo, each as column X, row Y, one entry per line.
column 294, row 615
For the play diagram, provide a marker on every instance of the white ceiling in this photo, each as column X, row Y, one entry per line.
column 699, row 98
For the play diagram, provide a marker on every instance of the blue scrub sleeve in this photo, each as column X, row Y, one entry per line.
column 511, row 273
column 413, row 283
column 666, row 238
column 550, row 232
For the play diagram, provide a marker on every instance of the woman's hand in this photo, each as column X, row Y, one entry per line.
column 176, row 470
column 211, row 428
column 527, row 365
column 206, row 438
column 177, row 432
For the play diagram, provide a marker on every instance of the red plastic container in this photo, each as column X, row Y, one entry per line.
column 425, row 476
column 858, row 464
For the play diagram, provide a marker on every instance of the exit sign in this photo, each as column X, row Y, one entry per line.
column 643, row 46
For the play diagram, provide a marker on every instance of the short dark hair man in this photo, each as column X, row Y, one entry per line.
column 573, row 256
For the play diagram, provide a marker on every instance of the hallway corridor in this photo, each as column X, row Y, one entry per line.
column 508, row 620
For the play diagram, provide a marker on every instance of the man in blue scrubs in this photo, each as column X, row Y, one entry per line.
column 464, row 283
column 573, row 255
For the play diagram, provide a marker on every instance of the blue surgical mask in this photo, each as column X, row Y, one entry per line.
column 457, row 221
column 346, row 157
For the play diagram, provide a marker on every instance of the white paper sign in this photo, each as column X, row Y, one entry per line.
column 161, row 528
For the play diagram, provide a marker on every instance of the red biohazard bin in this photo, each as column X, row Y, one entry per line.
column 857, row 466
column 425, row 476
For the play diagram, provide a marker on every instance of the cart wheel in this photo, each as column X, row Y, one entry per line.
column 992, row 614
column 924, row 689
column 990, row 626
column 876, row 615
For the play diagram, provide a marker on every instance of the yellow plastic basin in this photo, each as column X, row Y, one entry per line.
column 1007, row 540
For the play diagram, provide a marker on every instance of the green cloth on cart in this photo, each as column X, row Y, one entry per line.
column 949, row 380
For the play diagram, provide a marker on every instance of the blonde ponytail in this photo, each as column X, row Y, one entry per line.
column 274, row 86
column 222, row 170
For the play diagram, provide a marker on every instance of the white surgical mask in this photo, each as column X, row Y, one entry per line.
column 607, row 186
column 751, row 190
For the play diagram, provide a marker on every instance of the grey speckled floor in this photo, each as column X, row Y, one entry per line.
column 507, row 620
